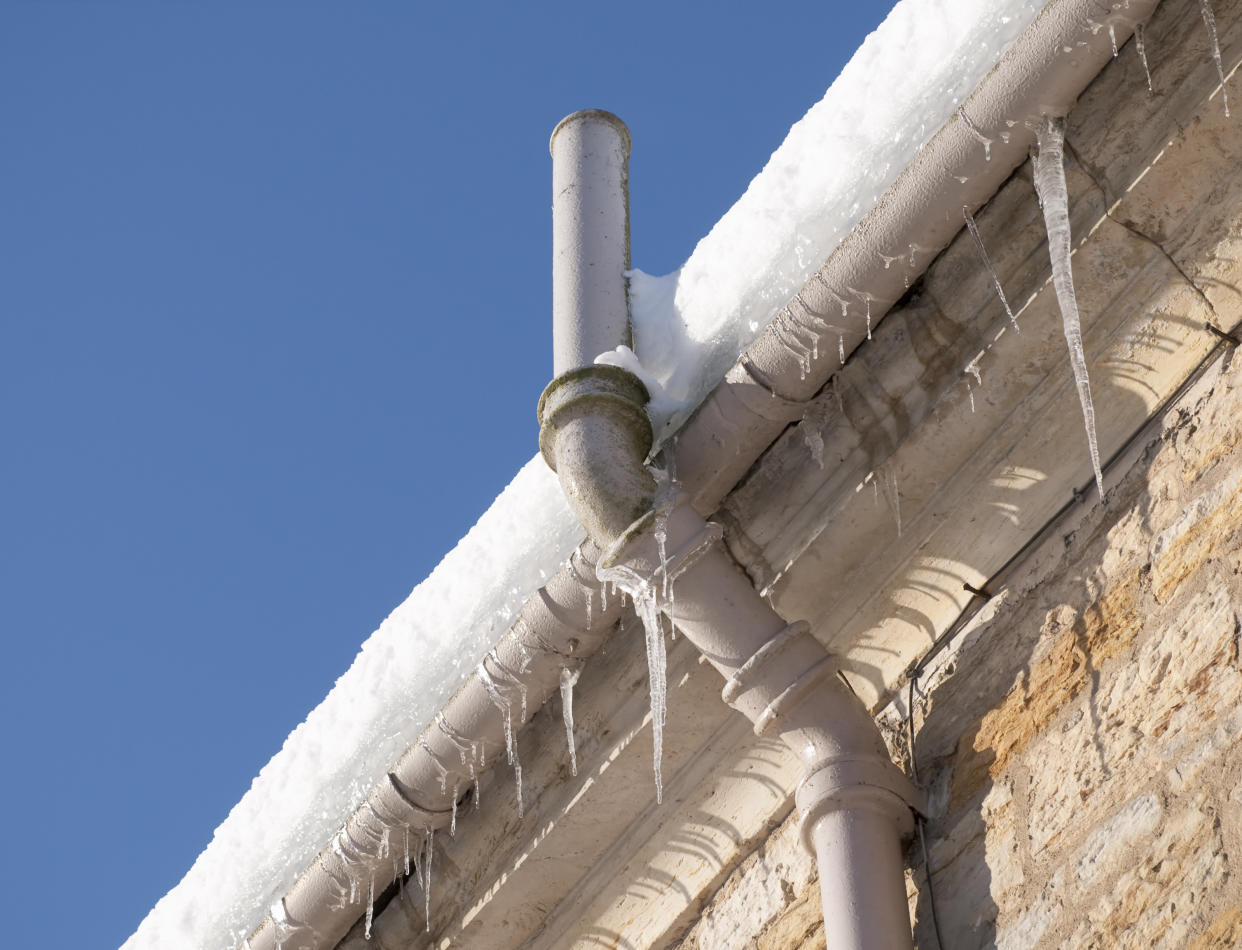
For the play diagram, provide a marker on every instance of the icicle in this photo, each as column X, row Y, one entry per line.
column 974, row 130
column 644, row 600
column 407, row 851
column 453, row 819
column 502, row 704
column 841, row 348
column 431, row 839
column 1112, row 37
column 590, row 601
column 603, row 588
column 987, row 263
column 506, row 715
column 1142, row 52
column 370, row 909
column 665, row 499
column 1210, row 21
column 844, row 304
column 1050, row 183
column 460, row 742
column 569, row 679
column 384, row 842
column 868, row 297
column 512, row 676
column 436, row 762
column 971, row 392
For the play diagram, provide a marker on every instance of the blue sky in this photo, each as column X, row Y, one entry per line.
column 275, row 310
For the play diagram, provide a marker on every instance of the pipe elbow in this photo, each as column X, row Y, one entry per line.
column 595, row 434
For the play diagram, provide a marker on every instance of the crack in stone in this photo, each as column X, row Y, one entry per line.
column 1108, row 213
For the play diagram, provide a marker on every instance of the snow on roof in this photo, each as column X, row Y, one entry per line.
column 898, row 89
column 901, row 86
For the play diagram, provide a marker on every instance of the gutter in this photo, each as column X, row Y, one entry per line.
column 1042, row 73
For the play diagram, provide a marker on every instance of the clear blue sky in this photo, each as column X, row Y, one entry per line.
column 275, row 316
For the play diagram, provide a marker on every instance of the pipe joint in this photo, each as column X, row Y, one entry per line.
column 867, row 783
column 393, row 798
column 590, row 391
column 595, row 434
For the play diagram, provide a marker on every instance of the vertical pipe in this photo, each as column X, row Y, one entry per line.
column 862, row 875
column 590, row 237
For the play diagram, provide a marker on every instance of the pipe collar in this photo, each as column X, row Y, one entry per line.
column 587, row 391
column 595, row 434
column 857, row 782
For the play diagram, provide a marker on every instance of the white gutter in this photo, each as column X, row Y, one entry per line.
column 1042, row 73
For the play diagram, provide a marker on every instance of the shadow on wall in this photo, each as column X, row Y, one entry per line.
column 1038, row 737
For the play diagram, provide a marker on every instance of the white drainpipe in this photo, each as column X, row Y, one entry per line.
column 1043, row 73
column 855, row 803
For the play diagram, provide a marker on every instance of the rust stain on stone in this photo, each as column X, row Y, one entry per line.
column 1224, row 934
column 1194, row 546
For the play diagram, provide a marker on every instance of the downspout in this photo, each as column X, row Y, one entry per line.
column 855, row 804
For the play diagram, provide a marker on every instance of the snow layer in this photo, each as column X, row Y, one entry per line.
column 902, row 85
column 405, row 672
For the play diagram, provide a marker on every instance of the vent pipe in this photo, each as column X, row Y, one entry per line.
column 594, row 432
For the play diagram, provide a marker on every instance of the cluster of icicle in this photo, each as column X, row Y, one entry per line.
column 401, row 848
column 389, row 857
column 646, row 597
column 654, row 601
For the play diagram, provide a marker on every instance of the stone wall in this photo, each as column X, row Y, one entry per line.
column 1081, row 736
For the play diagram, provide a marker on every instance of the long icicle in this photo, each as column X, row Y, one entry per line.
column 1054, row 198
column 644, row 597
column 431, row 841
